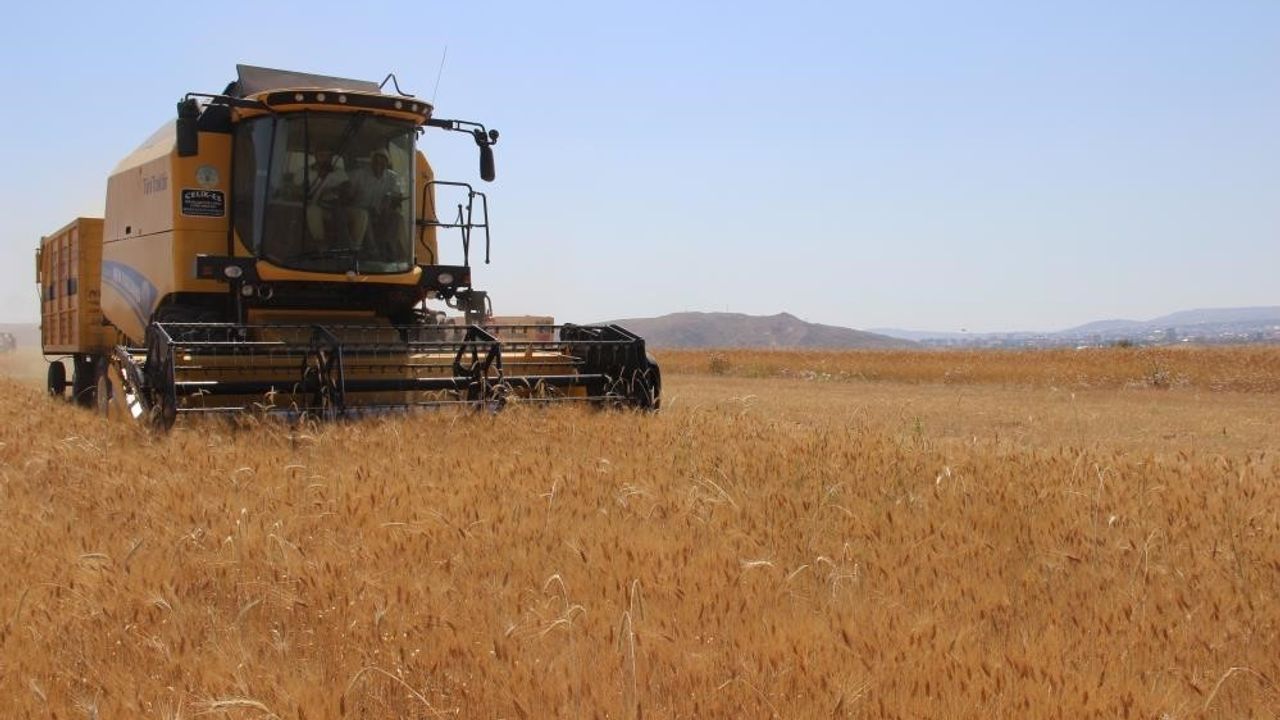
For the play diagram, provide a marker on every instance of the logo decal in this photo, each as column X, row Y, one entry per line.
column 207, row 175
column 155, row 184
column 203, row 203
column 137, row 290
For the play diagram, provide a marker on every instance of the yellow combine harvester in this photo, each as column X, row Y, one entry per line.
column 275, row 249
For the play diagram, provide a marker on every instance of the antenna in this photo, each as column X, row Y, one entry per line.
column 439, row 72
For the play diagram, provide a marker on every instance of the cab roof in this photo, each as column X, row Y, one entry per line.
column 253, row 80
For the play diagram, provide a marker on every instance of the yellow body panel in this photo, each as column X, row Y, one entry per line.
column 152, row 235
column 262, row 316
column 428, row 250
column 522, row 327
column 274, row 273
column 139, row 272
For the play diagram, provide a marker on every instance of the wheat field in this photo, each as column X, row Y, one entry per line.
column 795, row 535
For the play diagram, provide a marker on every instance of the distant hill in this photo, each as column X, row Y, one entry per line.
column 1247, row 324
column 1269, row 314
column 736, row 330
column 1184, row 320
column 1103, row 326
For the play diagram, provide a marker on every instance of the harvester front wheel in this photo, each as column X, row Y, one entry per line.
column 109, row 396
column 639, row 388
column 84, row 380
column 57, row 379
column 646, row 386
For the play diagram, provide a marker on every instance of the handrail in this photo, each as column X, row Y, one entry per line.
column 465, row 218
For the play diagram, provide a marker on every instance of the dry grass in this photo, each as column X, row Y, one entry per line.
column 743, row 554
column 1244, row 368
column 25, row 364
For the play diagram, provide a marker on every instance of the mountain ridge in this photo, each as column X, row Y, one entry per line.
column 1251, row 315
column 739, row 330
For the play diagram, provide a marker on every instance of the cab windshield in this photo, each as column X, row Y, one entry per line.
column 326, row 192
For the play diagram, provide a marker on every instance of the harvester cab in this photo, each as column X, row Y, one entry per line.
column 277, row 247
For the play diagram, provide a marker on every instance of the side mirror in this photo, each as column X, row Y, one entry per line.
column 486, row 153
column 486, row 163
column 188, row 134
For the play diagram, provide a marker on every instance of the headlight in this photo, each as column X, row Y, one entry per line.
column 445, row 278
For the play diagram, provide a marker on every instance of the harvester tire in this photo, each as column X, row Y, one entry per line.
column 162, row 418
column 104, row 393
column 653, row 376
column 57, row 379
column 644, row 387
column 84, row 381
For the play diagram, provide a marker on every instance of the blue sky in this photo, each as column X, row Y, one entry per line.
column 1010, row 165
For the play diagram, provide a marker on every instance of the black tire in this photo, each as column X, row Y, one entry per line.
column 103, row 393
column 57, row 384
column 644, row 390
column 84, row 382
column 654, row 376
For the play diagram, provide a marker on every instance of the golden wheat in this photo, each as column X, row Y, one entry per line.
column 762, row 548
column 1219, row 368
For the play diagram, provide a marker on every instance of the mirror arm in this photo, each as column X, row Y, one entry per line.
column 482, row 135
column 485, row 140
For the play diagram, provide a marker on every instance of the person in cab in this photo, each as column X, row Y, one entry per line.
column 378, row 192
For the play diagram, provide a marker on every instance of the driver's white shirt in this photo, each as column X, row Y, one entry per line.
column 332, row 181
column 370, row 189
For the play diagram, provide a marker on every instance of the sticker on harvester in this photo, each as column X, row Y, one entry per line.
column 203, row 203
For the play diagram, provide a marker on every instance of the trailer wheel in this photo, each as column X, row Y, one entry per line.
column 57, row 379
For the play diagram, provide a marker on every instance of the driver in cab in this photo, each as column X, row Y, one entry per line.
column 378, row 192
column 327, row 193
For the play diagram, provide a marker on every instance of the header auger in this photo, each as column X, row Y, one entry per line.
column 274, row 249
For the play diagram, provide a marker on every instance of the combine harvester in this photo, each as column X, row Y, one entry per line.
column 275, row 250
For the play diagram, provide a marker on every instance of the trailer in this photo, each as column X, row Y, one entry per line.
column 72, row 327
